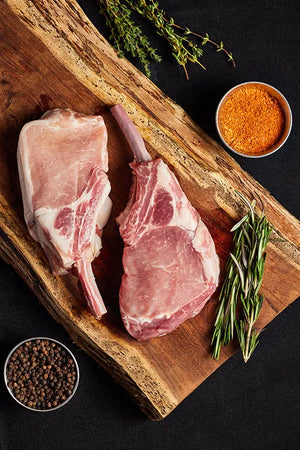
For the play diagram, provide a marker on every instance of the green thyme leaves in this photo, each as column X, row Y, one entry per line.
column 127, row 37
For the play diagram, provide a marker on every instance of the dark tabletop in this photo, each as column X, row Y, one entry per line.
column 253, row 406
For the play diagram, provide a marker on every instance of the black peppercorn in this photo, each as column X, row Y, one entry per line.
column 41, row 374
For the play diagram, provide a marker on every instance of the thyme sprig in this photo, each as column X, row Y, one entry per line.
column 205, row 39
column 128, row 37
column 240, row 301
column 182, row 48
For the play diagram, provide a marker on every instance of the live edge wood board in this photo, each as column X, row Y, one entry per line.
column 52, row 56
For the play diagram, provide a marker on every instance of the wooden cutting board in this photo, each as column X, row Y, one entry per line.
column 52, row 56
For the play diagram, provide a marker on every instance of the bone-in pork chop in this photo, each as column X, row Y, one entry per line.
column 63, row 161
column 171, row 268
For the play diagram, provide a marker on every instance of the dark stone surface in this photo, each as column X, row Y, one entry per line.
column 253, row 406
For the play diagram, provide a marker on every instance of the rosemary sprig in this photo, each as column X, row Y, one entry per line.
column 240, row 301
column 127, row 36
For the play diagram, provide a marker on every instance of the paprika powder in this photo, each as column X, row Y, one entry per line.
column 251, row 120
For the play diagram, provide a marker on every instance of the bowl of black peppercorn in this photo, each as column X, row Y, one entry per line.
column 41, row 374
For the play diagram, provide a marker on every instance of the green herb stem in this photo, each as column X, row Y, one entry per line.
column 182, row 48
column 240, row 301
column 205, row 38
column 128, row 37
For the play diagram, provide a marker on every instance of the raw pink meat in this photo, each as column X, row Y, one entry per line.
column 171, row 268
column 63, row 161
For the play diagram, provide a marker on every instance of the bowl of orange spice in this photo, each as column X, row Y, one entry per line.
column 254, row 119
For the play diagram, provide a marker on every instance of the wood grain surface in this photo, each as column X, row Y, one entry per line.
column 52, row 56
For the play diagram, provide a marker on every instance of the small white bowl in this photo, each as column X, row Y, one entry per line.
column 286, row 110
column 67, row 350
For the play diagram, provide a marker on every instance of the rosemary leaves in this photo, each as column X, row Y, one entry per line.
column 128, row 37
column 240, row 301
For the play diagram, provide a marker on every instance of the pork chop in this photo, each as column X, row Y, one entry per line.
column 171, row 268
column 63, row 160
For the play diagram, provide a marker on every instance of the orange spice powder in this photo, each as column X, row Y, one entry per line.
column 251, row 120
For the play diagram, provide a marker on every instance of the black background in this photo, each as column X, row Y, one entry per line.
column 240, row 406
